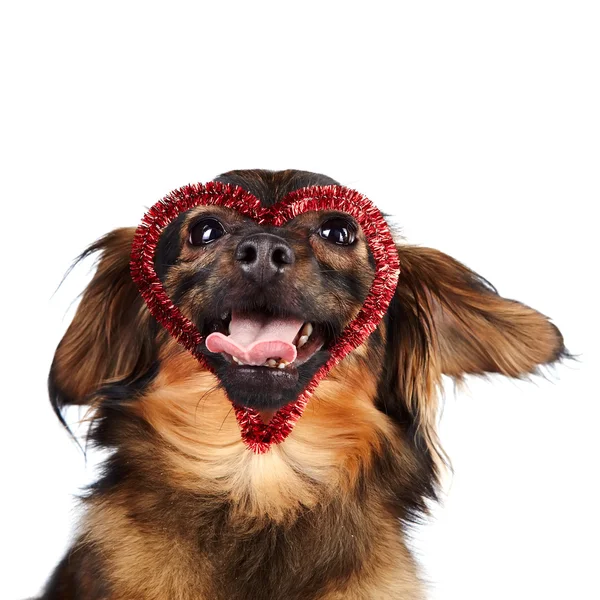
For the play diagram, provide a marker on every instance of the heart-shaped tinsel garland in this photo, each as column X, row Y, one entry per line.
column 257, row 435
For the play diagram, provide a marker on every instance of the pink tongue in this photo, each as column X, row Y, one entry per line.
column 254, row 339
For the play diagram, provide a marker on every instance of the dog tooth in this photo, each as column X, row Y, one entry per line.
column 307, row 330
column 283, row 364
column 271, row 363
column 302, row 341
column 237, row 360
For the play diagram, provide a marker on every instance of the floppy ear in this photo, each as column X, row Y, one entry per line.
column 446, row 320
column 473, row 329
column 110, row 337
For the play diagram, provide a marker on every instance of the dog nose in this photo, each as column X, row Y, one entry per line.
column 263, row 256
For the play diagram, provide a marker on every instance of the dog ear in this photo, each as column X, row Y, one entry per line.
column 446, row 320
column 110, row 337
column 473, row 330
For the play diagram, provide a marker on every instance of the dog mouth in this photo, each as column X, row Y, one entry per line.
column 261, row 341
column 265, row 359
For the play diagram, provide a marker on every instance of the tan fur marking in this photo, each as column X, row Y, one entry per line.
column 390, row 574
column 333, row 439
column 147, row 563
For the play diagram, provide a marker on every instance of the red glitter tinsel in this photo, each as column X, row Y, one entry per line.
column 256, row 434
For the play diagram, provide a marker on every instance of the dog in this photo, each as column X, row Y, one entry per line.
column 183, row 510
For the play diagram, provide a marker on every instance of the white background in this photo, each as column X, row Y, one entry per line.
column 475, row 123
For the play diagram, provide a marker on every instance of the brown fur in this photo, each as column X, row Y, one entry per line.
column 185, row 511
column 108, row 338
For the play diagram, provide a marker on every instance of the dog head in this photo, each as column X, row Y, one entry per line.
column 271, row 302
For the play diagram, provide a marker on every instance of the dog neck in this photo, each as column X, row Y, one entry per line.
column 159, row 542
column 185, row 510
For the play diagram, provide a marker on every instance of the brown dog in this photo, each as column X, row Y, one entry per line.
column 183, row 510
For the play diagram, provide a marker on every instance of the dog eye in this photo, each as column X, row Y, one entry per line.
column 338, row 231
column 206, row 231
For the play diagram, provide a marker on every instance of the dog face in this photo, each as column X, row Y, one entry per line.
column 276, row 299
column 269, row 301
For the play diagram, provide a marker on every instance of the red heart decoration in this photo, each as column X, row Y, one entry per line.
column 257, row 435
